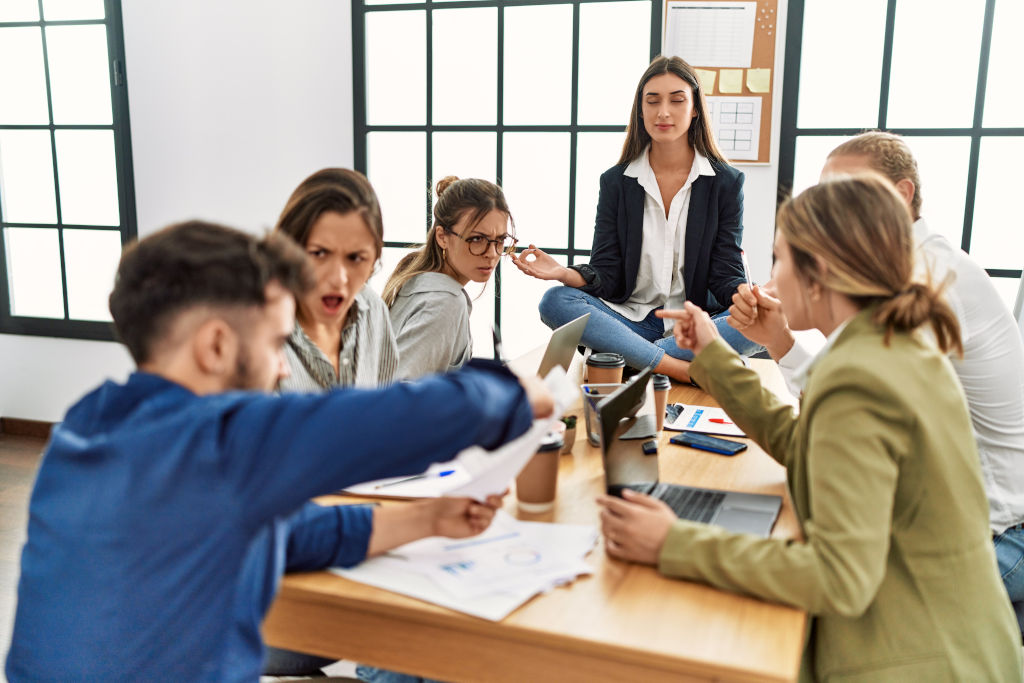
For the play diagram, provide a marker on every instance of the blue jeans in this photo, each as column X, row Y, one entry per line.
column 643, row 344
column 374, row 675
column 1010, row 555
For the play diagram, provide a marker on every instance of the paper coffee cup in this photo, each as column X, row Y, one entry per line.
column 605, row 368
column 537, row 483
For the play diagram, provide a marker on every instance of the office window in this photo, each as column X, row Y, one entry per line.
column 532, row 94
column 944, row 77
column 66, row 199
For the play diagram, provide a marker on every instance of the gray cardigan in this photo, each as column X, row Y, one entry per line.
column 430, row 318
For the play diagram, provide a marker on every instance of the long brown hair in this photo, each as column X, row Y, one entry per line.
column 455, row 198
column 853, row 235
column 331, row 189
column 699, row 135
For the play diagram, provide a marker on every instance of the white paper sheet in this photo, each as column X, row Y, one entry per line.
column 478, row 473
column 488, row 575
column 704, row 419
column 711, row 33
column 736, row 123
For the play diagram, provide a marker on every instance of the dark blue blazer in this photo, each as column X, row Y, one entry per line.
column 712, row 267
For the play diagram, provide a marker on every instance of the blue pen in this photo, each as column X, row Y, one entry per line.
column 442, row 473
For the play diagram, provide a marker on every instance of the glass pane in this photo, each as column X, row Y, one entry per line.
column 465, row 68
column 397, row 165
column 538, row 65
column 466, row 155
column 1007, row 288
column 88, row 177
column 934, row 64
column 26, row 177
column 996, row 238
column 79, row 74
column 535, row 178
column 19, row 10
column 1002, row 91
column 615, row 48
column 595, row 154
column 389, row 258
column 521, row 328
column 33, row 271
column 386, row 2
column 809, row 158
column 68, row 10
column 90, row 262
column 841, row 63
column 481, row 319
column 23, row 77
column 391, row 100
column 942, row 163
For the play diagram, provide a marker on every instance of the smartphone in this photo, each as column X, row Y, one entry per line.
column 708, row 443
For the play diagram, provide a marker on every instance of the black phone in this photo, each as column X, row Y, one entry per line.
column 708, row 443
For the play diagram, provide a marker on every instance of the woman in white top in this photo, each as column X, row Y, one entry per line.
column 429, row 305
column 668, row 230
column 343, row 336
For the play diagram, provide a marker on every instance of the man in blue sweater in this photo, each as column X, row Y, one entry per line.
column 166, row 508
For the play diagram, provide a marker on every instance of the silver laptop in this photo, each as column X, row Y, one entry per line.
column 626, row 466
column 562, row 345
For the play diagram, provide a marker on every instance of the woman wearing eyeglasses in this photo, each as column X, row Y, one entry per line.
column 668, row 230
column 429, row 305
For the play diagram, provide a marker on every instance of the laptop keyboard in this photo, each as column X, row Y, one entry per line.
column 696, row 505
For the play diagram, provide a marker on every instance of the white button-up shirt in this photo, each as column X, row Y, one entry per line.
column 659, row 281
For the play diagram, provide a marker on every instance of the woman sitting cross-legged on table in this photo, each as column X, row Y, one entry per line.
column 669, row 225
column 897, row 568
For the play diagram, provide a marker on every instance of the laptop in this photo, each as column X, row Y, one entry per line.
column 562, row 345
column 626, row 466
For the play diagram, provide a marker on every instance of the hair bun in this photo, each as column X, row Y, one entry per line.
column 444, row 183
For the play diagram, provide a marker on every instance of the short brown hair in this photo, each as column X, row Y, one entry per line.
column 853, row 235
column 194, row 264
column 888, row 154
column 331, row 189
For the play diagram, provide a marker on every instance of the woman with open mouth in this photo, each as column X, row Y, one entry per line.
column 343, row 336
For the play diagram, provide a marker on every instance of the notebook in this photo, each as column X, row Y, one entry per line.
column 626, row 466
column 562, row 345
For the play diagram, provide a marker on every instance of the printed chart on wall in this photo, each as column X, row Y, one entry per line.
column 731, row 45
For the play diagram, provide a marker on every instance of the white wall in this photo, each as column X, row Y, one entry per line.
column 232, row 103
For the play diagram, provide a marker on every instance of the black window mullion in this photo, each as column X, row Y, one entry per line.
column 53, row 157
column 979, row 113
column 499, row 153
column 429, row 64
column 359, row 128
column 790, row 96
column 122, row 129
column 883, row 91
column 574, row 129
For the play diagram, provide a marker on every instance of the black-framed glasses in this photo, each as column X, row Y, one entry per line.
column 478, row 244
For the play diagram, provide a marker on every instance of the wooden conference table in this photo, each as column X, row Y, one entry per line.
column 623, row 623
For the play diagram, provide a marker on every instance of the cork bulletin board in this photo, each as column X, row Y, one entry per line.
column 731, row 45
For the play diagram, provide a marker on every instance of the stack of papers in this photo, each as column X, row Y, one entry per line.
column 489, row 575
column 704, row 419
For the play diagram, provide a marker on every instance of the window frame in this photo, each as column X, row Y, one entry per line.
column 66, row 327
column 976, row 132
column 361, row 129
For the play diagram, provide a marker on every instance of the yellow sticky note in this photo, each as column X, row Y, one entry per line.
column 759, row 80
column 730, row 80
column 706, row 78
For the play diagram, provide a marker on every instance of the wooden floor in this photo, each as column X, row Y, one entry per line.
column 19, row 459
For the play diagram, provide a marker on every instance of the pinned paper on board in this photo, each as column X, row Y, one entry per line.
column 730, row 81
column 706, row 79
column 711, row 34
column 736, row 123
column 759, row 80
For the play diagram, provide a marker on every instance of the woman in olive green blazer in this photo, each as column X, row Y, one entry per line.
column 897, row 568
